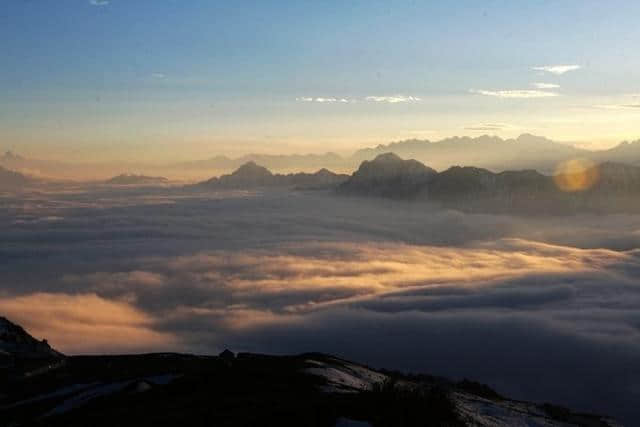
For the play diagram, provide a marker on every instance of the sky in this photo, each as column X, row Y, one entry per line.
column 172, row 80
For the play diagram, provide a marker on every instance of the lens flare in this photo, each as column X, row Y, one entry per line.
column 576, row 175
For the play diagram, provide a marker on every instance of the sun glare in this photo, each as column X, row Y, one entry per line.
column 576, row 175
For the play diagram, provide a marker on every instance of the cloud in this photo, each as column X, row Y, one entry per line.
column 557, row 69
column 447, row 310
column 546, row 85
column 393, row 99
column 490, row 127
column 245, row 288
column 99, row 2
column 158, row 75
column 618, row 106
column 524, row 94
column 539, row 307
column 86, row 323
column 322, row 100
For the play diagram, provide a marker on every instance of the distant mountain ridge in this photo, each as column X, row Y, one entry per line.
column 272, row 161
column 489, row 152
column 615, row 189
column 252, row 175
column 133, row 179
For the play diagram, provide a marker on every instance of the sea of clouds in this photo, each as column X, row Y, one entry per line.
column 542, row 308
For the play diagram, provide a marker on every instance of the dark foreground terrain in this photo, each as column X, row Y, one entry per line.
column 39, row 387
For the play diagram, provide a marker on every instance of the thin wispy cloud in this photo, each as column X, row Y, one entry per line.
column 632, row 106
column 521, row 93
column 557, row 69
column 538, row 85
column 99, row 2
column 323, row 100
column 393, row 99
column 158, row 75
column 485, row 127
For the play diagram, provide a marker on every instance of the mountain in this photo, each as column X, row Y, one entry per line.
column 607, row 187
column 251, row 175
column 280, row 162
column 389, row 176
column 489, row 152
column 132, row 179
column 311, row 389
column 10, row 180
column 15, row 342
column 625, row 152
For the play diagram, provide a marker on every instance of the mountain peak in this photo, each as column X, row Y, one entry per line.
column 253, row 170
column 389, row 175
column 387, row 157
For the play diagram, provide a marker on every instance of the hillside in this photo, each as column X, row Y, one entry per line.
column 15, row 342
column 314, row 389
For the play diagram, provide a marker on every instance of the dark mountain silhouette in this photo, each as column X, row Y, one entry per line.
column 251, row 175
column 615, row 189
column 314, row 389
column 132, row 179
column 15, row 342
column 390, row 176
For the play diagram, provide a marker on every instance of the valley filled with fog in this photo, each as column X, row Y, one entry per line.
column 540, row 307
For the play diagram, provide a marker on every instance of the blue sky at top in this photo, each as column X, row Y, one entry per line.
column 86, row 75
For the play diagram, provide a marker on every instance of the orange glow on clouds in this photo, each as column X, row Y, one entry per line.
column 85, row 323
column 243, row 290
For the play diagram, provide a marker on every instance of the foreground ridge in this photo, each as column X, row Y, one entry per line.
column 249, row 389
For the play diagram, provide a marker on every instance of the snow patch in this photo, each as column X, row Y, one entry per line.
column 344, row 377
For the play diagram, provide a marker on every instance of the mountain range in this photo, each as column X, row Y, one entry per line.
column 39, row 386
column 488, row 152
column 252, row 175
column 133, row 179
column 615, row 187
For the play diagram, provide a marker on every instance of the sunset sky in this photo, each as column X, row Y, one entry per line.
column 173, row 80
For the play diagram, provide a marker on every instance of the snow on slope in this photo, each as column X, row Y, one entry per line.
column 342, row 376
column 345, row 377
